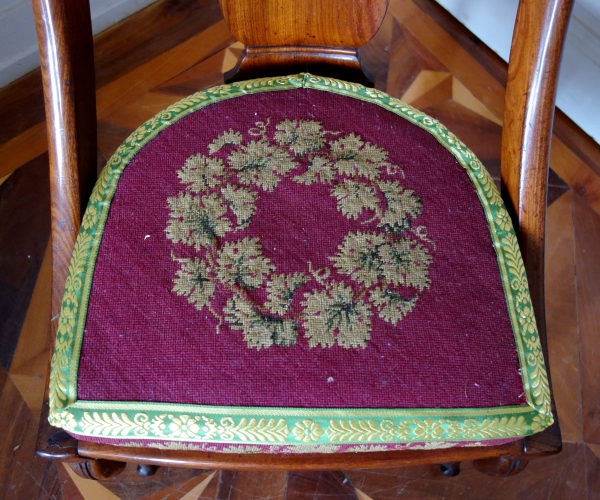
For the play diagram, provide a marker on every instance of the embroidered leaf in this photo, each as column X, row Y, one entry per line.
column 201, row 172
column 259, row 330
column 405, row 262
column 192, row 280
column 335, row 316
column 255, row 430
column 319, row 169
column 354, row 157
column 230, row 138
column 259, row 163
column 281, row 289
column 354, row 197
column 392, row 306
column 400, row 206
column 301, row 136
column 197, row 223
column 241, row 201
column 359, row 258
column 241, row 263
column 360, row 430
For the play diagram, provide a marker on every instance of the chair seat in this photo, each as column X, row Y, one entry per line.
column 297, row 264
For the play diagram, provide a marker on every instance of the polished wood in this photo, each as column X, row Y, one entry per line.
column 66, row 52
column 286, row 461
column 526, row 137
column 97, row 469
column 317, row 36
column 499, row 466
column 256, row 62
column 528, row 116
column 335, row 23
column 64, row 155
column 587, row 225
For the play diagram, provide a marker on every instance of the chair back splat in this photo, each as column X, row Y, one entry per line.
column 315, row 36
column 284, row 37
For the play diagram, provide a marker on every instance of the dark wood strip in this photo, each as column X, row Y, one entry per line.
column 24, row 235
column 23, row 475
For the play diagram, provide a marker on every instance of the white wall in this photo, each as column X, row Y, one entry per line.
column 579, row 84
column 18, row 44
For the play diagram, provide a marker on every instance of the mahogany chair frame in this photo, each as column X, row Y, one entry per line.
column 284, row 37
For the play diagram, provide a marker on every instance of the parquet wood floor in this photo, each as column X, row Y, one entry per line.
column 422, row 55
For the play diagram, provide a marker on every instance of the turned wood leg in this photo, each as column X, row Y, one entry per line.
column 97, row 469
column 499, row 466
column 147, row 470
column 450, row 469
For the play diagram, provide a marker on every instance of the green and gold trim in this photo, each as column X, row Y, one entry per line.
column 294, row 426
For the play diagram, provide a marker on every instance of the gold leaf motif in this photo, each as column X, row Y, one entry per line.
column 109, row 424
column 230, row 138
column 254, row 430
column 360, row 430
column 319, row 170
column 241, row 201
column 201, row 172
column 60, row 395
column 259, row 330
column 281, row 289
column 354, row 157
column 335, row 315
column 241, row 263
column 193, row 281
column 391, row 305
column 400, row 207
column 405, row 262
column 258, row 163
column 196, row 221
column 359, row 257
column 300, row 136
column 354, row 197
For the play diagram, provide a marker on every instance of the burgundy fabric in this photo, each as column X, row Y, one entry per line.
column 144, row 343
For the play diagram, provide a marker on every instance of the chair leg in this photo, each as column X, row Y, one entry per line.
column 499, row 466
column 450, row 469
column 97, row 469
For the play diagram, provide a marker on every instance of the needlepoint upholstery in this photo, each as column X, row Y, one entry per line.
column 297, row 264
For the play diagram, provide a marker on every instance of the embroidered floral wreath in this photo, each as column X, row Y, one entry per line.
column 388, row 268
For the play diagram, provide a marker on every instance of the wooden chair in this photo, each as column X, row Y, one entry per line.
column 285, row 37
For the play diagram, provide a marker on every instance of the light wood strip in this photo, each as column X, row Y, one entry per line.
column 561, row 317
column 33, row 142
column 587, row 243
column 575, row 173
column 490, row 92
column 162, row 68
column 462, row 65
column 23, row 148
column 89, row 489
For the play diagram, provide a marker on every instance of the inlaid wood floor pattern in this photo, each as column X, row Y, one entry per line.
column 421, row 55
